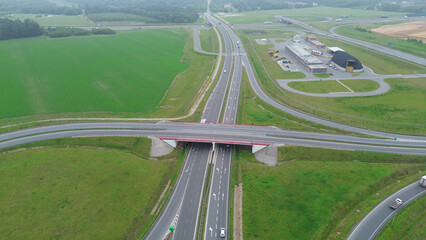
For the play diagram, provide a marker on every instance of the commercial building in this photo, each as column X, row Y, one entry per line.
column 346, row 62
column 317, row 44
column 312, row 64
column 312, row 39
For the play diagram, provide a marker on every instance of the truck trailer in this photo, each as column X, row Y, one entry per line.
column 422, row 181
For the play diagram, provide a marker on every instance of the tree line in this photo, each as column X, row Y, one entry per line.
column 154, row 11
column 69, row 32
column 36, row 7
column 14, row 29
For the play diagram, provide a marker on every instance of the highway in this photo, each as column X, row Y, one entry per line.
column 371, row 225
column 218, row 198
column 183, row 207
column 188, row 211
column 213, row 132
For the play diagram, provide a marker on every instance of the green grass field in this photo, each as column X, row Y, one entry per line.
column 308, row 18
column 209, row 41
column 408, row 224
column 322, row 75
column 186, row 87
column 56, row 20
column 361, row 85
column 306, row 199
column 399, row 110
column 380, row 63
column 117, row 17
column 253, row 110
column 127, row 72
column 418, row 49
column 268, row 15
column 325, row 86
column 76, row 193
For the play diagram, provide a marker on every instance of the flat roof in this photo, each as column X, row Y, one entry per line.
column 335, row 49
column 311, row 60
column 298, row 50
column 317, row 42
column 317, row 66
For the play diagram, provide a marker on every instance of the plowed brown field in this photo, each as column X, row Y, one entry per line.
column 415, row 30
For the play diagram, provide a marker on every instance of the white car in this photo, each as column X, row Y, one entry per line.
column 224, row 71
column 222, row 232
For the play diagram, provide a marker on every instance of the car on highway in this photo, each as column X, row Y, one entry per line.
column 395, row 204
column 224, row 71
column 222, row 232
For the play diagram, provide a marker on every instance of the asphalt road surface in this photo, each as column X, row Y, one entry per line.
column 184, row 203
column 188, row 212
column 218, row 198
column 371, row 225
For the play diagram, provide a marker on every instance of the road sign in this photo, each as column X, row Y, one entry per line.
column 171, row 228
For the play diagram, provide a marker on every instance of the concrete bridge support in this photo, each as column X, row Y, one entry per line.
column 160, row 148
column 267, row 155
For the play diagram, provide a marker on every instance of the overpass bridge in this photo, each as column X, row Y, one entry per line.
column 256, row 145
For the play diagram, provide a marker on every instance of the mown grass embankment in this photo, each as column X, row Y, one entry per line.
column 306, row 196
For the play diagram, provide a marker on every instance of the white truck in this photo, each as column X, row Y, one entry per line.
column 395, row 204
column 422, row 181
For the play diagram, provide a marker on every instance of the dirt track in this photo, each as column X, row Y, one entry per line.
column 406, row 30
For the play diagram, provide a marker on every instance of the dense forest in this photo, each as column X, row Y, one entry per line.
column 12, row 29
column 155, row 11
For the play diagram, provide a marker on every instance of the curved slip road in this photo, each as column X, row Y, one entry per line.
column 197, row 44
column 371, row 225
column 383, row 88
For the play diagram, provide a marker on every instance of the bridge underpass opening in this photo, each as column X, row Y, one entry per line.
column 256, row 146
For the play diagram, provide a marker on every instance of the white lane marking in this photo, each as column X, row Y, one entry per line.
column 410, row 140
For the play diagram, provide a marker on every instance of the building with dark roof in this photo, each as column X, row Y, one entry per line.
column 346, row 62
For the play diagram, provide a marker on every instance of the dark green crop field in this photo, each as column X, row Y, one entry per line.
column 128, row 72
